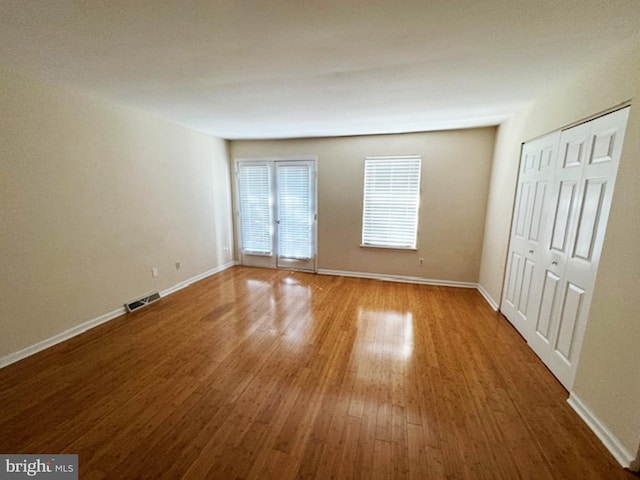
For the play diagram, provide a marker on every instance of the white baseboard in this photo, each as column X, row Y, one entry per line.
column 61, row 337
column 189, row 281
column 83, row 327
column 419, row 280
column 606, row 436
column 398, row 278
column 488, row 298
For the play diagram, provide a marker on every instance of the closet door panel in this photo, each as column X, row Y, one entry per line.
column 606, row 137
column 582, row 193
column 593, row 200
column 539, row 199
column 565, row 206
column 569, row 316
column 548, row 302
column 530, row 232
column 512, row 280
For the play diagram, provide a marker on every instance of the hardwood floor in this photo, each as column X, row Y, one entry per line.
column 257, row 373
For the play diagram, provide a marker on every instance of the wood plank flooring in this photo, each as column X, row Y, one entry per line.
column 257, row 373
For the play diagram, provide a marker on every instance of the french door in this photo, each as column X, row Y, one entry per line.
column 276, row 212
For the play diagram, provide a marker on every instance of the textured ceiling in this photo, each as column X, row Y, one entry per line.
column 296, row 68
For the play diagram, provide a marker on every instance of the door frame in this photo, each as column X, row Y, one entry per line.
column 272, row 261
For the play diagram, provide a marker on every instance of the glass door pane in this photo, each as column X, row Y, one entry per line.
column 295, row 182
column 256, row 213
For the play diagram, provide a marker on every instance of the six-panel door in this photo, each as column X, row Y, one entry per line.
column 550, row 281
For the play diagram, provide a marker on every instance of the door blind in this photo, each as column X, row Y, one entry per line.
column 255, row 208
column 391, row 200
column 294, row 211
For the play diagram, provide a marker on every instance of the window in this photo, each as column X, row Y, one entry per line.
column 391, row 200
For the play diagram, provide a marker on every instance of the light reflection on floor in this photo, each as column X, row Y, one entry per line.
column 396, row 339
column 277, row 316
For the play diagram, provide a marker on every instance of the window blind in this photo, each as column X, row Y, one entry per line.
column 294, row 207
column 255, row 208
column 391, row 201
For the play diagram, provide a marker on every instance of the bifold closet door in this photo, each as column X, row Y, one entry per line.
column 529, row 232
column 585, row 178
column 557, row 297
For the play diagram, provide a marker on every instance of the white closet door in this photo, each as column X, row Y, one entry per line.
column 585, row 177
column 529, row 232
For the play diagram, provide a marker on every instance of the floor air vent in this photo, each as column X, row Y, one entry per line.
column 142, row 302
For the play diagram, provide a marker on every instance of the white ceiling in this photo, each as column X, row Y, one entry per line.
column 296, row 68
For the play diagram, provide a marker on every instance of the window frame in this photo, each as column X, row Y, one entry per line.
column 365, row 197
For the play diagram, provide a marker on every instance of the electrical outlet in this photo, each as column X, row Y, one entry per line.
column 178, row 265
column 155, row 272
column 421, row 261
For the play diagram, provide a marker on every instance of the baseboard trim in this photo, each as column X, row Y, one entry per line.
column 398, row 278
column 606, row 436
column 492, row 303
column 83, row 327
column 61, row 337
column 197, row 278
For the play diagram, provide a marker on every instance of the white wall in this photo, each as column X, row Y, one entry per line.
column 455, row 178
column 608, row 377
column 93, row 196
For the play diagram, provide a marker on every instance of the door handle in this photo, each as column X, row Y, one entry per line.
column 530, row 251
column 554, row 263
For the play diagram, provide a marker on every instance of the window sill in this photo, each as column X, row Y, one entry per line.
column 257, row 254
column 385, row 247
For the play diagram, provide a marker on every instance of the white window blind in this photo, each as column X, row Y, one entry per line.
column 255, row 208
column 294, row 207
column 391, row 200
